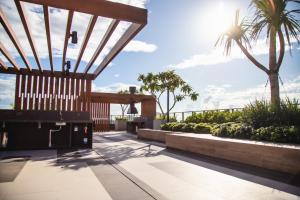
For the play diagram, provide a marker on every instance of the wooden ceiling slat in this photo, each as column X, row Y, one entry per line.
column 14, row 39
column 25, row 23
column 2, row 64
column 5, row 52
column 101, row 45
column 102, row 8
column 48, row 35
column 67, row 36
column 122, row 42
column 87, row 36
column 116, row 11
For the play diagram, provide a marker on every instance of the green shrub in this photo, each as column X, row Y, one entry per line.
column 178, row 127
column 284, row 134
column 189, row 127
column 168, row 126
column 233, row 130
column 263, row 114
column 203, row 128
column 122, row 118
column 214, row 117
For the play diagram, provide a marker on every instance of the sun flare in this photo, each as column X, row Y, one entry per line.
column 217, row 19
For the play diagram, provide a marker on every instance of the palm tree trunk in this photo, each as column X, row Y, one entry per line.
column 274, row 85
column 273, row 76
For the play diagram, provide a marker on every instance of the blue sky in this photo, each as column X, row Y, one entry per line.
column 180, row 35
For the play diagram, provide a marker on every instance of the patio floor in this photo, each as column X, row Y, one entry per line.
column 120, row 167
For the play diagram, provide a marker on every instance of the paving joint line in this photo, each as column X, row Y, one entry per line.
column 130, row 177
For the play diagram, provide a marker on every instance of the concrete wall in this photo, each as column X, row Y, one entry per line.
column 120, row 125
column 284, row 158
column 157, row 123
column 155, row 135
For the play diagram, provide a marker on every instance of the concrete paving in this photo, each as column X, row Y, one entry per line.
column 176, row 175
column 121, row 167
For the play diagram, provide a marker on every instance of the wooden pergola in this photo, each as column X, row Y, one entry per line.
column 116, row 11
column 100, row 104
column 39, row 89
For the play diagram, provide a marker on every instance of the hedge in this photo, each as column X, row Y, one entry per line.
column 284, row 134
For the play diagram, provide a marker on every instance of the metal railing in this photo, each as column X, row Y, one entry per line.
column 112, row 118
column 181, row 116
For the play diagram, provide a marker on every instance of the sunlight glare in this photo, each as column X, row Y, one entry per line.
column 217, row 19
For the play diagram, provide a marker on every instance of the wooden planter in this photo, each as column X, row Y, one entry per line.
column 150, row 134
column 279, row 157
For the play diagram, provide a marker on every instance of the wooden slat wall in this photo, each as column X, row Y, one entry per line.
column 100, row 113
column 52, row 93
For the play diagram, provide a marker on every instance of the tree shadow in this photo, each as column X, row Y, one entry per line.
column 286, row 182
column 119, row 148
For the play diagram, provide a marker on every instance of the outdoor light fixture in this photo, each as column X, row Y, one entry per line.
column 39, row 125
column 74, row 37
column 132, row 109
column 68, row 67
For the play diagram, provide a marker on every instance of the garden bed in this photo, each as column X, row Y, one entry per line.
column 150, row 134
column 279, row 157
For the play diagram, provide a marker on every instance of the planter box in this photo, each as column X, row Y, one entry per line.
column 279, row 157
column 157, row 123
column 150, row 134
column 120, row 125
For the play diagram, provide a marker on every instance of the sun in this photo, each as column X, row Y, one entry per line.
column 217, row 19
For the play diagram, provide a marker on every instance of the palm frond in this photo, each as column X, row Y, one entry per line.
column 273, row 13
column 237, row 32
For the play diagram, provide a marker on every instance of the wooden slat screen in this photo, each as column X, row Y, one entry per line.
column 100, row 113
column 52, row 93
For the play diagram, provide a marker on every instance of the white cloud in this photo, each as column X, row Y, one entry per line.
column 223, row 97
column 117, row 75
column 136, row 3
column 58, row 19
column 217, row 56
column 112, row 88
column 7, row 91
column 140, row 46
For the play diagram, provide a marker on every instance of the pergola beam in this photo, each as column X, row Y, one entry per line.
column 99, row 8
column 14, row 39
column 122, row 42
column 87, row 36
column 24, row 20
column 24, row 71
column 119, row 98
column 2, row 64
column 7, row 55
column 48, row 35
column 67, row 36
column 102, row 43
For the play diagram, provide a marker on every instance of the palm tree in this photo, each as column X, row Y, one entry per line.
column 273, row 16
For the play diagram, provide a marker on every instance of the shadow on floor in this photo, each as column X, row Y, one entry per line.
column 11, row 166
column 289, row 183
column 282, row 181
